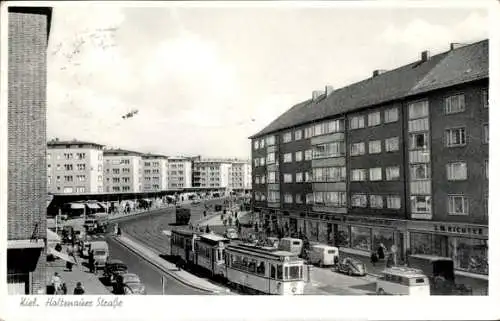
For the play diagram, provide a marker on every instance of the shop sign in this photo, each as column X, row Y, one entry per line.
column 456, row 229
column 374, row 221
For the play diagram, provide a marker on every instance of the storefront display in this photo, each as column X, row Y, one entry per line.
column 469, row 255
column 361, row 238
column 343, row 236
column 432, row 244
column 322, row 233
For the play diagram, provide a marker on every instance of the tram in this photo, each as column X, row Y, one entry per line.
column 182, row 245
column 265, row 269
column 209, row 253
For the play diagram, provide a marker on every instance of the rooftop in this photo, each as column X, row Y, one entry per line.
column 57, row 142
column 111, row 152
column 453, row 67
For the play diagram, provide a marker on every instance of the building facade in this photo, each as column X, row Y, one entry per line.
column 211, row 173
column 240, row 176
column 179, row 172
column 28, row 30
column 74, row 167
column 155, row 172
column 399, row 159
column 122, row 171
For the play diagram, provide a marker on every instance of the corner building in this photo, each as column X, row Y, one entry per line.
column 400, row 158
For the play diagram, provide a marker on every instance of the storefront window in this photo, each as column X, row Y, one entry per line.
column 385, row 237
column 343, row 236
column 421, row 243
column 469, row 255
column 361, row 238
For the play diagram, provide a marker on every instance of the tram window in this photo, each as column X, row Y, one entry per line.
column 279, row 275
column 261, row 269
column 252, row 266
column 285, row 277
column 273, row 271
column 294, row 272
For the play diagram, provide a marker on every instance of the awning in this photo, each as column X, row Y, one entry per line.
column 53, row 236
column 61, row 255
column 76, row 206
column 94, row 206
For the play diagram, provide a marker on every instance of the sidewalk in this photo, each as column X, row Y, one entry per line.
column 80, row 273
column 169, row 268
column 324, row 281
column 215, row 219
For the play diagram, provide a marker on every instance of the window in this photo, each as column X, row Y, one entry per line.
column 454, row 104
column 256, row 162
column 287, row 158
column 80, row 178
column 328, row 127
column 392, row 144
column 393, row 202
column 262, row 143
column 419, row 141
column 358, row 175
column 357, row 122
column 376, row 201
column 262, row 161
column 334, row 149
column 49, row 180
column 80, row 167
column 309, row 198
column 68, row 167
column 374, row 119
column 357, row 149
column 68, row 178
column 329, row 174
column 48, row 156
column 298, row 177
column 256, row 145
column 486, row 169
column 287, row 137
column 358, row 200
column 335, row 199
column 271, row 177
column 458, row 205
column 391, row 115
column 307, row 176
column 80, row 155
column 418, row 109
column 270, row 140
column 116, row 171
column 392, row 173
column 68, row 190
column 287, row 178
column 298, row 199
column 374, row 147
column 485, row 98
column 273, row 196
column 271, row 158
column 376, row 174
column 486, row 134
column 298, row 156
column 288, row 198
column 308, row 132
column 420, row 172
column 420, row 204
column 298, row 134
column 308, row 155
column 455, row 137
column 80, row 189
column 456, row 171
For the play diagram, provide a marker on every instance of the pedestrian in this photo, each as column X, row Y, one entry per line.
column 56, row 283
column 381, row 251
column 69, row 265
column 207, row 229
column 230, row 220
column 58, row 247
column 204, row 213
column 79, row 289
column 64, row 289
column 373, row 258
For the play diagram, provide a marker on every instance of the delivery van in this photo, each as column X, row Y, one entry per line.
column 324, row 255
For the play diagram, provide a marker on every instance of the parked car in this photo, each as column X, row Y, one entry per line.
column 352, row 266
column 134, row 288
column 231, row 234
column 113, row 269
column 126, row 280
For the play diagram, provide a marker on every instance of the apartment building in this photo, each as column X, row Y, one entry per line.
column 179, row 172
column 122, row 171
column 74, row 167
column 155, row 172
column 28, row 31
column 400, row 158
column 240, row 176
column 213, row 173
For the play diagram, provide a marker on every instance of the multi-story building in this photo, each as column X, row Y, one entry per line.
column 211, row 173
column 28, row 30
column 155, row 172
column 179, row 172
column 74, row 167
column 240, row 176
column 400, row 158
column 122, row 171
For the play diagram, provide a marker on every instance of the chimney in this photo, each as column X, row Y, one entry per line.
column 328, row 90
column 455, row 45
column 425, row 55
column 378, row 72
column 316, row 94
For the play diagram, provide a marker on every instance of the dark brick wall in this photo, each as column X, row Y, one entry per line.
column 258, row 171
column 27, row 83
column 475, row 152
column 383, row 160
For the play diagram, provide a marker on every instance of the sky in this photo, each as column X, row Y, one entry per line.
column 205, row 79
